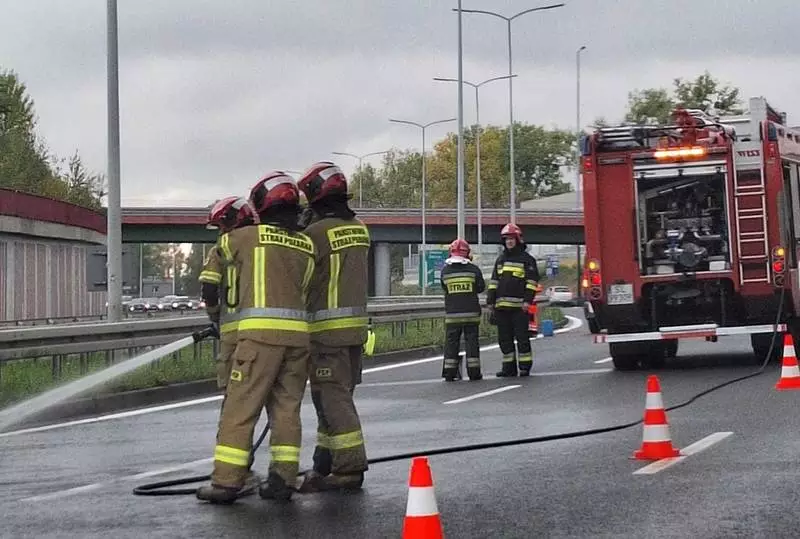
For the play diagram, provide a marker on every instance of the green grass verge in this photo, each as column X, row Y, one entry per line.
column 24, row 378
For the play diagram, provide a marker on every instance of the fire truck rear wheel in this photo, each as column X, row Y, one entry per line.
column 626, row 356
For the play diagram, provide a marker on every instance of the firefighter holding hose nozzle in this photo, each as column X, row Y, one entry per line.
column 462, row 281
column 270, row 361
column 510, row 294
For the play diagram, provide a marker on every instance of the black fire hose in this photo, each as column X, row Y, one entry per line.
column 158, row 489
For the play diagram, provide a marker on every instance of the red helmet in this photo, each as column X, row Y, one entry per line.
column 276, row 188
column 460, row 247
column 230, row 213
column 323, row 179
column 511, row 230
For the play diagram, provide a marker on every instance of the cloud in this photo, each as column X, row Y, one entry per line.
column 215, row 94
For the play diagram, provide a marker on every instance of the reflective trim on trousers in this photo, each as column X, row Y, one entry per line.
column 525, row 358
column 232, row 456
column 473, row 362
column 508, row 358
column 285, row 453
column 347, row 440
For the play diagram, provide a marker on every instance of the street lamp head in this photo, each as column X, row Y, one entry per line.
column 583, row 48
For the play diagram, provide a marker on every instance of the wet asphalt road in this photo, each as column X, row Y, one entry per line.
column 76, row 481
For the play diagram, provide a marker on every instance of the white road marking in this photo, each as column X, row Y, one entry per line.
column 484, row 394
column 686, row 452
column 604, row 360
column 574, row 323
column 118, row 415
column 485, row 377
column 97, row 486
column 567, row 373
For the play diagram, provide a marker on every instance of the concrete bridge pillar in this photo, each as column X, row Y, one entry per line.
column 382, row 269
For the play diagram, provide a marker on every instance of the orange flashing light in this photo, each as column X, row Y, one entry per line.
column 593, row 265
column 779, row 252
column 695, row 151
column 585, row 283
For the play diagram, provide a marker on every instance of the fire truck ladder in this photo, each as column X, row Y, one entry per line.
column 751, row 229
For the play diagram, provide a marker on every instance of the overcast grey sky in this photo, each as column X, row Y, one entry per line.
column 214, row 93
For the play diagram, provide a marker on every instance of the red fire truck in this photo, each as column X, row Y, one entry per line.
column 690, row 232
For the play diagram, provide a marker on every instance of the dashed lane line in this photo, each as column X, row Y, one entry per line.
column 604, row 360
column 483, row 394
column 686, row 452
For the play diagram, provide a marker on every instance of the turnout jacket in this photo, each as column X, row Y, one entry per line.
column 273, row 271
column 337, row 299
column 462, row 281
column 514, row 279
column 219, row 279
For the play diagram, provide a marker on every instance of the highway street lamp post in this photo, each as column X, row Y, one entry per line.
column 578, row 183
column 509, row 20
column 360, row 159
column 477, row 145
column 423, row 127
column 114, row 218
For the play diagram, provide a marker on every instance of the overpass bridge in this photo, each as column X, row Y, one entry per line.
column 387, row 225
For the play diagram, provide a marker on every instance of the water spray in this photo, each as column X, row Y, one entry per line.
column 23, row 410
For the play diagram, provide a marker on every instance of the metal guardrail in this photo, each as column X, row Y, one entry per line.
column 173, row 313
column 66, row 339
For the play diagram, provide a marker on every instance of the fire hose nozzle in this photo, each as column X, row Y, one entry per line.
column 210, row 331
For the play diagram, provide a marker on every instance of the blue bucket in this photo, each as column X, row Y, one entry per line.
column 547, row 328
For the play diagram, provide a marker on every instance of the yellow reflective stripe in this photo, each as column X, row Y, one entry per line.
column 323, row 440
column 231, row 282
column 457, row 280
column 339, row 323
column 369, row 346
column 530, row 286
column 259, row 277
column 229, row 326
column 492, row 286
column 285, row 453
column 232, row 455
column 208, row 276
column 525, row 358
column 346, row 441
column 333, row 282
column 250, row 324
column 307, row 277
column 225, row 246
column 508, row 358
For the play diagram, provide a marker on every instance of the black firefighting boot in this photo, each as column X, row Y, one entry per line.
column 474, row 368
column 275, row 488
column 217, row 494
column 313, row 482
column 509, row 366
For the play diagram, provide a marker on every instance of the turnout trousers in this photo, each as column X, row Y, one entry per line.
column 512, row 325
column 452, row 367
column 261, row 375
column 226, row 348
column 335, row 372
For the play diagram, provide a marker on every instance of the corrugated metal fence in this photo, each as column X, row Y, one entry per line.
column 41, row 279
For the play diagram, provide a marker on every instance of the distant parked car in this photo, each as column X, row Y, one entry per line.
column 560, row 295
column 142, row 305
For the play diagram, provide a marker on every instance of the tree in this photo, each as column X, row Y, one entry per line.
column 156, row 260
column 25, row 162
column 188, row 283
column 704, row 93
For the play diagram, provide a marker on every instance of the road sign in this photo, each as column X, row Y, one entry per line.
column 435, row 260
column 551, row 268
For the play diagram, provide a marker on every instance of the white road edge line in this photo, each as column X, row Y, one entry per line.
column 96, row 486
column 573, row 324
column 483, row 394
column 686, row 452
column 604, row 360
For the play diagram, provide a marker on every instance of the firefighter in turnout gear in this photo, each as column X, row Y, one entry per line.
column 337, row 305
column 225, row 215
column 511, row 291
column 270, row 362
column 462, row 281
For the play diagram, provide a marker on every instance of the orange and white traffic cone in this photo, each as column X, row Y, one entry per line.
column 422, row 515
column 790, row 373
column 656, row 440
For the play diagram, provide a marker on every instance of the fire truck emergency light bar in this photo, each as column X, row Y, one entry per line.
column 680, row 152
